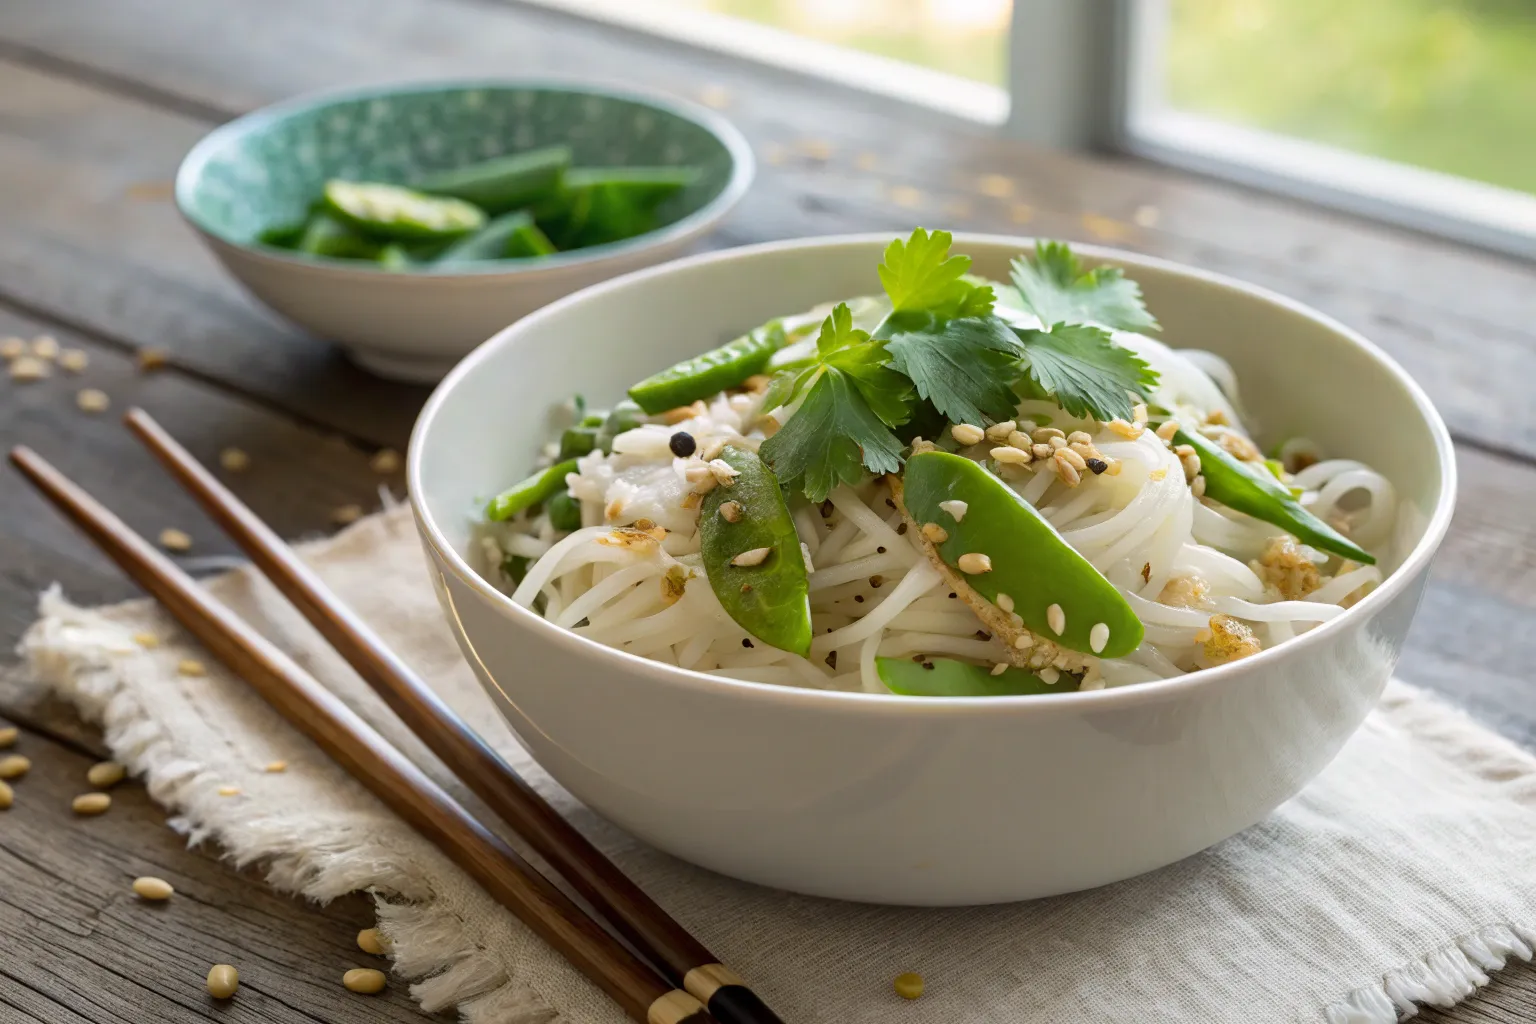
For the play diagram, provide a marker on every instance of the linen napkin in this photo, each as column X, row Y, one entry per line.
column 1402, row 875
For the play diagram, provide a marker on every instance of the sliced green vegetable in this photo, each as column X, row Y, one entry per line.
column 625, row 416
column 490, row 242
column 503, row 183
column 541, row 486
column 526, row 242
column 515, row 567
column 577, row 441
column 284, row 236
column 945, row 677
column 394, row 257
column 392, row 212
column 710, row 373
column 1030, row 562
column 749, row 522
column 564, row 511
column 327, row 236
column 596, row 205
column 1229, row 482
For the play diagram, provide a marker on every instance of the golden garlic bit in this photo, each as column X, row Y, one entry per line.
column 91, row 803
column 173, row 539
column 148, row 641
column 12, row 347
column 93, row 400
column 364, row 980
column 276, row 766
column 229, row 791
column 8, row 736
column 909, row 985
column 14, row 766
column 74, row 360
column 222, row 981
column 149, row 887
column 105, row 774
column 7, row 796
column 369, row 940
column 191, row 667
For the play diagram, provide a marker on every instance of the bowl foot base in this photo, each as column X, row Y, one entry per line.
column 407, row 368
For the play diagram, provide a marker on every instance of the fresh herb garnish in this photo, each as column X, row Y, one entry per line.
column 963, row 366
column 1054, row 287
column 851, row 400
column 1085, row 372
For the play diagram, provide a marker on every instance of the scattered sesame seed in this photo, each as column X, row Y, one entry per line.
column 45, row 346
column 724, row 473
column 73, row 360
column 91, row 803
column 1042, row 451
column 973, row 563
column 956, row 508
column 173, row 539
column 1197, row 488
column 1098, row 636
column 1049, row 676
column 1043, row 435
column 752, row 557
column 999, row 431
column 146, row 640
column 12, row 347
column 928, row 665
column 229, row 791
column 1079, row 437
column 1112, row 467
column 1004, row 602
column 1072, row 458
column 730, row 511
column 14, row 766
column 934, row 533
column 385, row 461
column 1011, row 456
column 967, row 433
column 1023, row 642
column 8, row 736
column 1066, row 469
column 191, row 667
column 105, row 774
column 999, row 668
column 152, row 359
column 234, row 460
column 1167, row 430
column 1056, row 619
column 28, row 368
column 344, row 514
column 276, row 766
column 93, row 400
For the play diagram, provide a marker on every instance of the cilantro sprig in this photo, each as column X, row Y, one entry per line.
column 944, row 342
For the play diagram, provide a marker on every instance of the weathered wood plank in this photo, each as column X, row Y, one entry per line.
column 81, row 947
column 296, row 476
column 1431, row 303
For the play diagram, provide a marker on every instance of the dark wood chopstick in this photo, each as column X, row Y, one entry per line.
column 370, row 759
column 657, row 936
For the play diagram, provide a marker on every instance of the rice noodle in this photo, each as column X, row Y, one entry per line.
column 873, row 593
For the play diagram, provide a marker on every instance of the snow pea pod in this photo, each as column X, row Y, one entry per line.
column 489, row 243
column 502, row 183
column 945, row 677
column 577, row 441
column 710, row 373
column 752, row 555
column 564, row 511
column 1263, row 497
column 392, row 212
column 541, row 486
column 625, row 416
column 1003, row 545
column 327, row 236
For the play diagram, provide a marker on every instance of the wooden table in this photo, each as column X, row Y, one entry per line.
column 99, row 100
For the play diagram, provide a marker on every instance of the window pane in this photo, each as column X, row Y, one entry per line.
column 1447, row 85
column 967, row 38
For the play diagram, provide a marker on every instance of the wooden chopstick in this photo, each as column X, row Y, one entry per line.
column 625, row 905
column 370, row 759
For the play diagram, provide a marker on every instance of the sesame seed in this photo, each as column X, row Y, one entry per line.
column 73, row 360
column 973, row 563
column 1098, row 636
column 1000, row 431
column 274, row 767
column 191, row 667
column 234, row 460
column 1072, row 458
column 1191, row 464
column 28, row 368
column 1043, row 435
column 1066, row 470
column 1010, row 456
column 999, row 668
column 956, row 508
column 1042, row 451
column 12, row 347
column 1023, row 642
column 229, row 791
column 1049, row 676
column 713, row 449
column 967, row 433
column 173, row 539
column 724, row 473
column 934, row 533
column 1197, row 488
column 1167, row 430
column 1079, row 437
column 385, row 461
column 752, row 557
column 342, row 515
column 45, row 346
column 1004, row 602
column 1057, row 443
column 146, row 640
column 93, row 400
column 1056, row 619
column 730, row 511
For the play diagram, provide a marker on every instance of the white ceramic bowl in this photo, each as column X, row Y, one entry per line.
column 912, row 800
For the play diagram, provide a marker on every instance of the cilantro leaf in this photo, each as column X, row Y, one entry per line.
column 1056, row 289
column 831, row 439
column 851, row 400
column 920, row 274
column 1085, row 370
column 963, row 365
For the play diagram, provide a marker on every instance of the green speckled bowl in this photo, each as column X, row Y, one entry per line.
column 264, row 169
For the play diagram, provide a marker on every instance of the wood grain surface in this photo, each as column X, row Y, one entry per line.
column 99, row 100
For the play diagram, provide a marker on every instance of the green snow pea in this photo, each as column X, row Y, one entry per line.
column 515, row 567
column 625, row 416
column 502, row 183
column 710, row 373
column 595, row 205
column 394, row 257
column 528, row 241
column 577, row 441
column 392, row 212
column 564, row 511
column 769, row 599
column 490, row 242
column 1263, row 497
column 1029, row 560
column 326, row 236
column 283, row 236
column 945, row 677
column 541, row 486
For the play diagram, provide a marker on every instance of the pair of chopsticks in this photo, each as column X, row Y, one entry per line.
column 685, row 978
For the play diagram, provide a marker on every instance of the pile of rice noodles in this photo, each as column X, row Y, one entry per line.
column 1179, row 560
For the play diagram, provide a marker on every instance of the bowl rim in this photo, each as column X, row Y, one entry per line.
column 857, row 702
column 743, row 170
